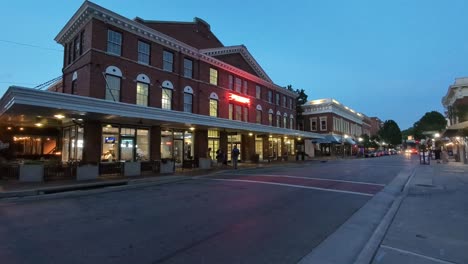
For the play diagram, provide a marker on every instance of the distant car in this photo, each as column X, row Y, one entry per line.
column 411, row 151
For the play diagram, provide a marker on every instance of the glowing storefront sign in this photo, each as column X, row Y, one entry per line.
column 239, row 99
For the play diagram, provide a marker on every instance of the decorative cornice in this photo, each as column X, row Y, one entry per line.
column 81, row 104
column 242, row 50
column 89, row 10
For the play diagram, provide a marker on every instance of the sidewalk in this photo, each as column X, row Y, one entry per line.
column 431, row 224
column 16, row 189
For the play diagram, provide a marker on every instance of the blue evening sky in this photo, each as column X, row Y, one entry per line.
column 393, row 59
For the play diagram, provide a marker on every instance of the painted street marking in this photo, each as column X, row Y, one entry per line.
column 320, row 179
column 293, row 185
column 417, row 255
column 311, row 182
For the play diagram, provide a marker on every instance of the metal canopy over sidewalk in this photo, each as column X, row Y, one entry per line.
column 23, row 106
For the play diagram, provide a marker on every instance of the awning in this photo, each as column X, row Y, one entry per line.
column 455, row 130
column 350, row 141
column 328, row 139
column 458, row 126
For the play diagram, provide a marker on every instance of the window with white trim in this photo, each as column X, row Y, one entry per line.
column 114, row 42
column 168, row 61
column 113, row 88
column 323, row 123
column 313, row 124
column 270, row 119
column 166, row 100
column 291, row 123
column 277, row 99
column 258, row 92
column 259, row 117
column 213, row 107
column 270, row 96
column 188, row 68
column 143, row 52
column 142, row 93
column 213, row 76
column 238, row 84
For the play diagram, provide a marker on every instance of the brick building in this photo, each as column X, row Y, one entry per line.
column 341, row 125
column 136, row 90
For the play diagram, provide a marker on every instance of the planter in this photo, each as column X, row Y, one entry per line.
column 132, row 169
column 204, row 163
column 31, row 173
column 167, row 167
column 87, row 172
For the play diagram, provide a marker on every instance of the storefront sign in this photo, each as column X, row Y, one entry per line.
column 240, row 99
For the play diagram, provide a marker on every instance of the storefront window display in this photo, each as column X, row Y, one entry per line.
column 110, row 141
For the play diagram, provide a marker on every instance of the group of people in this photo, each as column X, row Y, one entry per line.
column 221, row 157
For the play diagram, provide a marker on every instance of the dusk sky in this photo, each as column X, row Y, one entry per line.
column 392, row 59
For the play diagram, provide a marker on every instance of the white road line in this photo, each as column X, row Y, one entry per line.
column 320, row 179
column 417, row 255
column 294, row 185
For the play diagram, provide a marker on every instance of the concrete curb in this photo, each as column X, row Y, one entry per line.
column 359, row 228
column 371, row 247
column 73, row 190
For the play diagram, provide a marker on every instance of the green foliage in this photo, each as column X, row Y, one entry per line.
column 390, row 133
column 431, row 121
column 300, row 101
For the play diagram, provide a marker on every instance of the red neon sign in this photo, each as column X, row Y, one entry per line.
column 239, row 99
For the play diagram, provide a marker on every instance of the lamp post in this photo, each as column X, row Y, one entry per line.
column 342, row 143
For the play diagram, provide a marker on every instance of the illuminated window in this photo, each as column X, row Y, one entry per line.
column 143, row 52
column 168, row 61
column 231, row 110
column 166, row 99
column 142, row 93
column 258, row 92
column 114, row 42
column 214, row 108
column 188, row 68
column 213, row 76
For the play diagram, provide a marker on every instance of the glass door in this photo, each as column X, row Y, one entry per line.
column 178, row 151
column 127, row 152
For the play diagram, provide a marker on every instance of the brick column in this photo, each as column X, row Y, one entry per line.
column 155, row 143
column 92, row 141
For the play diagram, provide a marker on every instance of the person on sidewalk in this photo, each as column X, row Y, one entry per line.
column 235, row 156
column 219, row 158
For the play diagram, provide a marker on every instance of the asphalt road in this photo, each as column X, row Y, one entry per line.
column 269, row 215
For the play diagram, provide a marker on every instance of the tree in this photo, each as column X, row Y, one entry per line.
column 390, row 133
column 300, row 101
column 431, row 121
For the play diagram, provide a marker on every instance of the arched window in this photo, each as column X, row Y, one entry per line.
column 214, row 101
column 188, row 99
column 142, row 89
column 285, row 120
column 259, row 114
column 278, row 119
column 113, row 80
column 167, row 91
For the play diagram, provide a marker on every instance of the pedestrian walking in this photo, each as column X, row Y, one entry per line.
column 235, row 156
column 219, row 157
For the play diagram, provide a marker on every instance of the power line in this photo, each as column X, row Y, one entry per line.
column 28, row 45
column 46, row 84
